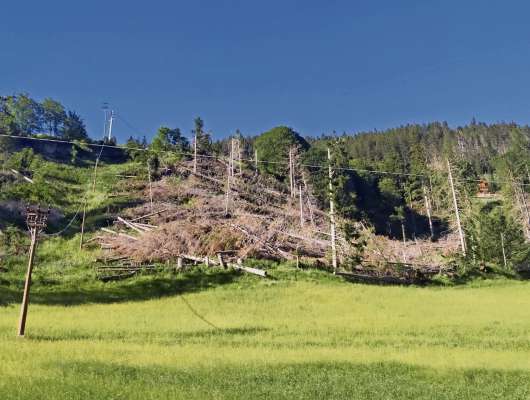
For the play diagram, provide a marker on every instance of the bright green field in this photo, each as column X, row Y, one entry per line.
column 301, row 336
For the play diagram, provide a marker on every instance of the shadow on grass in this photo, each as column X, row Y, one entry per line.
column 96, row 218
column 303, row 380
column 144, row 337
column 140, row 288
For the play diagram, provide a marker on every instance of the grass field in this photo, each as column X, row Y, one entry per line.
column 303, row 335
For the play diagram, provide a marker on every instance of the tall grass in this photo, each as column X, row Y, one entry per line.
column 302, row 336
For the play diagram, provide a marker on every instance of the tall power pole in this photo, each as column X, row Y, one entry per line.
column 107, row 133
column 291, row 172
column 111, row 119
column 36, row 220
column 332, row 216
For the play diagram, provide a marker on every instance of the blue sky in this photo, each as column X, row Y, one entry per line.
column 317, row 66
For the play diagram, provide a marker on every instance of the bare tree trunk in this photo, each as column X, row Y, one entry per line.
column 332, row 216
column 195, row 153
column 150, row 186
column 239, row 156
column 301, row 206
column 503, row 250
column 428, row 209
column 227, row 189
column 309, row 206
column 291, row 174
column 459, row 225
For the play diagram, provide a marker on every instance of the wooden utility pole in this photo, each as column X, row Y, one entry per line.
column 459, row 225
column 301, row 206
column 95, row 173
column 36, row 220
column 332, row 216
column 150, row 185
column 308, row 200
column 413, row 216
column 503, row 250
column 86, row 199
column 428, row 209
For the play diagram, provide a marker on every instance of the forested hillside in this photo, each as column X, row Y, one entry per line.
column 391, row 184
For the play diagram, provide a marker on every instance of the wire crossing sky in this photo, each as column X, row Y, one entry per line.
column 317, row 66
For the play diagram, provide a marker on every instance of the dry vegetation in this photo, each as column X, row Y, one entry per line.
column 260, row 221
column 191, row 214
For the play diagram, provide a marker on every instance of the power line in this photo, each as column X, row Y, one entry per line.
column 137, row 131
column 209, row 156
column 195, row 312
column 67, row 226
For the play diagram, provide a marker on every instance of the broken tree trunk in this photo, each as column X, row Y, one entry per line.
column 250, row 270
column 149, row 215
column 130, row 225
column 428, row 209
column 455, row 202
column 332, row 216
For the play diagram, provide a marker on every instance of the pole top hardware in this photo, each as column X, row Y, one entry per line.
column 37, row 218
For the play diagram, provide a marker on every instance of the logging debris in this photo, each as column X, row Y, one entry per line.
column 254, row 216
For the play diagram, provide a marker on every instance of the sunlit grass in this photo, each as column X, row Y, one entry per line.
column 302, row 336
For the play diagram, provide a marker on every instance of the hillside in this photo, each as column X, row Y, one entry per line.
column 394, row 209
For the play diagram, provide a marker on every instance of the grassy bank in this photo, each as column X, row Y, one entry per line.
column 305, row 335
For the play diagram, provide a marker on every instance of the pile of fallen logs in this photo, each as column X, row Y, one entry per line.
column 136, row 226
column 200, row 217
column 396, row 273
column 207, row 212
column 131, row 230
column 222, row 262
column 122, row 267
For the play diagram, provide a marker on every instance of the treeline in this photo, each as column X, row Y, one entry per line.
column 385, row 179
column 20, row 115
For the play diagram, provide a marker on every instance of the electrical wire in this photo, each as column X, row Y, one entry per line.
column 249, row 160
column 67, row 226
column 196, row 313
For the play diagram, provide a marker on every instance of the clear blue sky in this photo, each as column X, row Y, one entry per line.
column 317, row 66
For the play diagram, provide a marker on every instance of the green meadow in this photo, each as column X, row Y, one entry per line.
column 215, row 334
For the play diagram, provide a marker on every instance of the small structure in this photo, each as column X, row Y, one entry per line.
column 484, row 189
